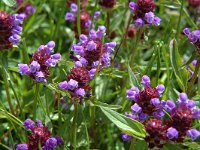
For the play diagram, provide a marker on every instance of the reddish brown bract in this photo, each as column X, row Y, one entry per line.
column 107, row 3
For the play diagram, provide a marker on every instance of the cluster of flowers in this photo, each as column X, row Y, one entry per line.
column 151, row 111
column 85, row 18
column 143, row 13
column 40, row 137
column 193, row 37
column 40, row 63
column 24, row 8
column 10, row 29
column 91, row 54
column 83, row 3
column 194, row 3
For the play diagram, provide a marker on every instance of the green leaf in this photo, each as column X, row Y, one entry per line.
column 100, row 104
column 9, row 3
column 176, row 62
column 138, row 145
column 132, row 77
column 171, row 146
column 125, row 124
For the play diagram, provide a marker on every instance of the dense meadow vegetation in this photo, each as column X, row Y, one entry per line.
column 99, row 74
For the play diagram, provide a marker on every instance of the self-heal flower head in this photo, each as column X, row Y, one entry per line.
column 41, row 61
column 40, row 136
column 10, row 29
column 193, row 134
column 172, row 133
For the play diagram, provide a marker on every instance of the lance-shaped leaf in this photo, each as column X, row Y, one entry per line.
column 9, row 3
column 125, row 124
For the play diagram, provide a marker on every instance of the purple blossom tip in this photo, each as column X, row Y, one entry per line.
column 133, row 93
column 39, row 77
column 72, row 84
column 83, row 38
column 186, row 31
column 29, row 124
column 193, row 134
column 132, row 6
column 74, row 8
column 80, row 92
column 70, row 17
column 139, row 22
column 91, row 46
column 63, row 85
column 155, row 102
column 145, row 80
column 170, row 105
column 34, row 66
column 160, row 88
column 22, row 146
column 51, row 143
column 149, row 17
column 183, row 98
column 96, row 14
column 196, row 114
column 136, row 108
column 126, row 137
column 24, row 69
column 156, row 21
column 172, row 133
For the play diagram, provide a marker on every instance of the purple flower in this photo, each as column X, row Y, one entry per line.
column 83, row 61
column 51, row 143
column 51, row 62
column 39, row 77
column 70, row 17
column 74, row 8
column 78, row 49
column 139, row 22
column 100, row 32
column 191, row 104
column 63, row 85
column 72, row 84
column 50, row 46
column 196, row 33
column 24, row 69
column 92, row 34
column 39, row 123
column 91, row 45
column 155, row 102
column 92, row 73
column 29, row 124
column 106, row 59
column 142, row 117
column 59, row 140
column 14, row 39
column 83, row 38
column 56, row 56
column 196, row 114
column 193, row 134
column 149, row 17
column 96, row 14
column 158, row 113
column 186, row 31
column 145, row 80
column 80, row 92
column 34, row 66
column 160, row 88
column 126, row 137
column 172, row 133
column 156, row 21
column 22, row 146
column 183, row 98
column 78, row 64
column 170, row 105
column 194, row 62
column 132, row 6
column 136, row 108
column 132, row 93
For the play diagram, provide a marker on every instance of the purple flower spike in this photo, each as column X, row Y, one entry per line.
column 70, row 17
column 34, row 66
column 193, row 134
column 172, row 133
column 132, row 93
column 91, row 46
column 51, row 143
column 132, row 6
column 170, row 105
column 39, row 76
column 24, row 69
column 74, row 8
column 126, row 137
column 96, row 14
column 72, row 84
column 136, row 108
column 22, row 147
column 155, row 102
column 149, row 17
column 139, row 22
column 156, row 21
column 183, row 98
column 29, row 124
column 145, row 80
column 80, row 92
column 186, row 31
column 196, row 114
column 83, row 38
column 160, row 88
column 63, row 85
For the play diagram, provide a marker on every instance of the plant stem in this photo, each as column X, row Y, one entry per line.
column 123, row 39
column 78, row 19
column 108, row 23
column 6, row 79
column 179, row 20
column 132, row 144
column 194, row 77
column 75, row 123
column 37, row 87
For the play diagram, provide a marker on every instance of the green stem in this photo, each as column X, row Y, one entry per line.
column 194, row 77
column 123, row 39
column 75, row 124
column 37, row 87
column 86, row 130
column 78, row 19
column 108, row 23
column 179, row 20
column 6, row 79
column 132, row 146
